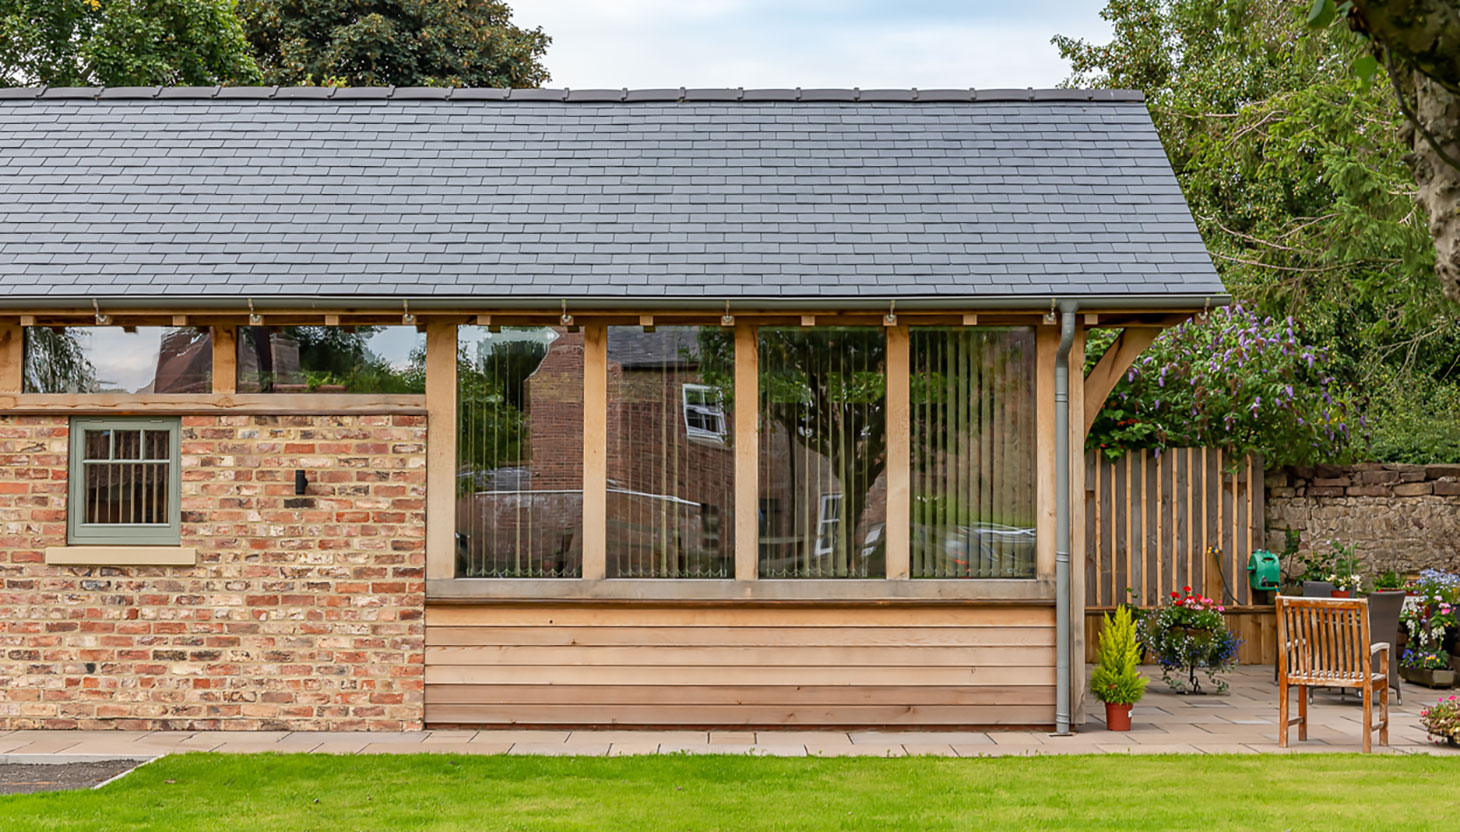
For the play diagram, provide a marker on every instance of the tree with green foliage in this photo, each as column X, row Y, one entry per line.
column 55, row 361
column 1417, row 44
column 1295, row 172
column 72, row 43
column 824, row 389
column 491, row 425
column 408, row 43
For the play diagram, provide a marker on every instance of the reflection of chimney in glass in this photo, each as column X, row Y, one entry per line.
column 268, row 361
column 184, row 362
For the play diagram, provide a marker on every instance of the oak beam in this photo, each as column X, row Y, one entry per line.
column 175, row 404
column 1128, row 346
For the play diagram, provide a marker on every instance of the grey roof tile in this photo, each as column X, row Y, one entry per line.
column 216, row 192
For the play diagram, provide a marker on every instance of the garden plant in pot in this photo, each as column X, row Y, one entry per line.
column 1442, row 721
column 1117, row 679
column 1429, row 620
column 1344, row 577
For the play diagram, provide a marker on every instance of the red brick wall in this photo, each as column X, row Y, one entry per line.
column 303, row 613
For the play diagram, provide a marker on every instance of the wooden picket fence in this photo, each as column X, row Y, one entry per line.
column 1150, row 519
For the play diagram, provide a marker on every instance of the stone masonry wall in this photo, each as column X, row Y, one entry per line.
column 303, row 613
column 1401, row 517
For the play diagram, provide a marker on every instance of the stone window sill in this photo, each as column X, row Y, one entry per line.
column 121, row 555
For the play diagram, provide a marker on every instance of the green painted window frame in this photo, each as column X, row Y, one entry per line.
column 122, row 534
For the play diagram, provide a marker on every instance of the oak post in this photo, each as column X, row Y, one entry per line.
column 1046, row 345
column 595, row 452
column 899, row 456
column 225, row 360
column 440, row 450
column 12, row 358
column 747, row 453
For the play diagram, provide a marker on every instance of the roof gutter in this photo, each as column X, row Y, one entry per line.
column 428, row 303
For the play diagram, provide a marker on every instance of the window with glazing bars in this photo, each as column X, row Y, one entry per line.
column 124, row 482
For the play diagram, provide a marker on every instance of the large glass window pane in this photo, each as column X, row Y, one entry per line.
column 823, row 452
column 519, row 508
column 973, row 458
column 671, row 467
column 331, row 359
column 110, row 359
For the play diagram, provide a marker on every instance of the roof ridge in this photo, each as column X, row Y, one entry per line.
column 566, row 95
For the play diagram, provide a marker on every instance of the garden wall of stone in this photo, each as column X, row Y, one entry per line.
column 1401, row 517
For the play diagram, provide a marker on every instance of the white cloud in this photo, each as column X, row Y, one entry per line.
column 808, row 43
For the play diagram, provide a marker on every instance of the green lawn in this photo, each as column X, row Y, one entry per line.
column 659, row 794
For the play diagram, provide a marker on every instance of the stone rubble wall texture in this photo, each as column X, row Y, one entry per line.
column 1401, row 517
column 303, row 613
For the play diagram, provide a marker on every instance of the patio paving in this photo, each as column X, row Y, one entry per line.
column 1241, row 721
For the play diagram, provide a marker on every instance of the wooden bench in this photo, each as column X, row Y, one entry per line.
column 1324, row 643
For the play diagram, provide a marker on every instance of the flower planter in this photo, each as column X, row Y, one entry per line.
column 1429, row 677
column 1341, row 593
column 1117, row 717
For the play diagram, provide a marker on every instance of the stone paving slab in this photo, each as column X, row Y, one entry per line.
column 559, row 749
column 544, row 737
column 631, row 749
column 840, row 749
column 613, row 737
column 1242, row 721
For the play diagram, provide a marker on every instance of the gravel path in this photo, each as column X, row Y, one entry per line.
column 24, row 778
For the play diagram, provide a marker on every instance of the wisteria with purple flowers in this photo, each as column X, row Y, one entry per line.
column 1237, row 381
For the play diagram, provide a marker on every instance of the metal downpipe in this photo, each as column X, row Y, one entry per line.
column 1062, row 517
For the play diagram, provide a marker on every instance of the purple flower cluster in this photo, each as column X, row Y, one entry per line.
column 1235, row 380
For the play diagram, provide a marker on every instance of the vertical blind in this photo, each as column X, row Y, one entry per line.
column 671, row 465
column 973, row 457
column 823, row 452
column 519, row 509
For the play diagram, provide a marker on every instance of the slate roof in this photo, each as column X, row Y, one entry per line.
column 670, row 346
column 540, row 195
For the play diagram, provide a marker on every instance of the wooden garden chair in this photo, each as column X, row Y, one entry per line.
column 1324, row 643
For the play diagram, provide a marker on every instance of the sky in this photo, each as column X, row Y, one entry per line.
column 808, row 43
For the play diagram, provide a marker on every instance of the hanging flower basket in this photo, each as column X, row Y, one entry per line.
column 1188, row 636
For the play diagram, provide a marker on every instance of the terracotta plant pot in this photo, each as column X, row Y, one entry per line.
column 1341, row 593
column 1431, row 678
column 1117, row 717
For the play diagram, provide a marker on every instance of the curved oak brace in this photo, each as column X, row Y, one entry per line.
column 1112, row 365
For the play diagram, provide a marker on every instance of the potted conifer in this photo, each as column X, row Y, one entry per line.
column 1117, row 679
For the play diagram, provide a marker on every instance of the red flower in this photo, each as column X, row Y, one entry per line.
column 1175, row 594
column 1186, row 589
